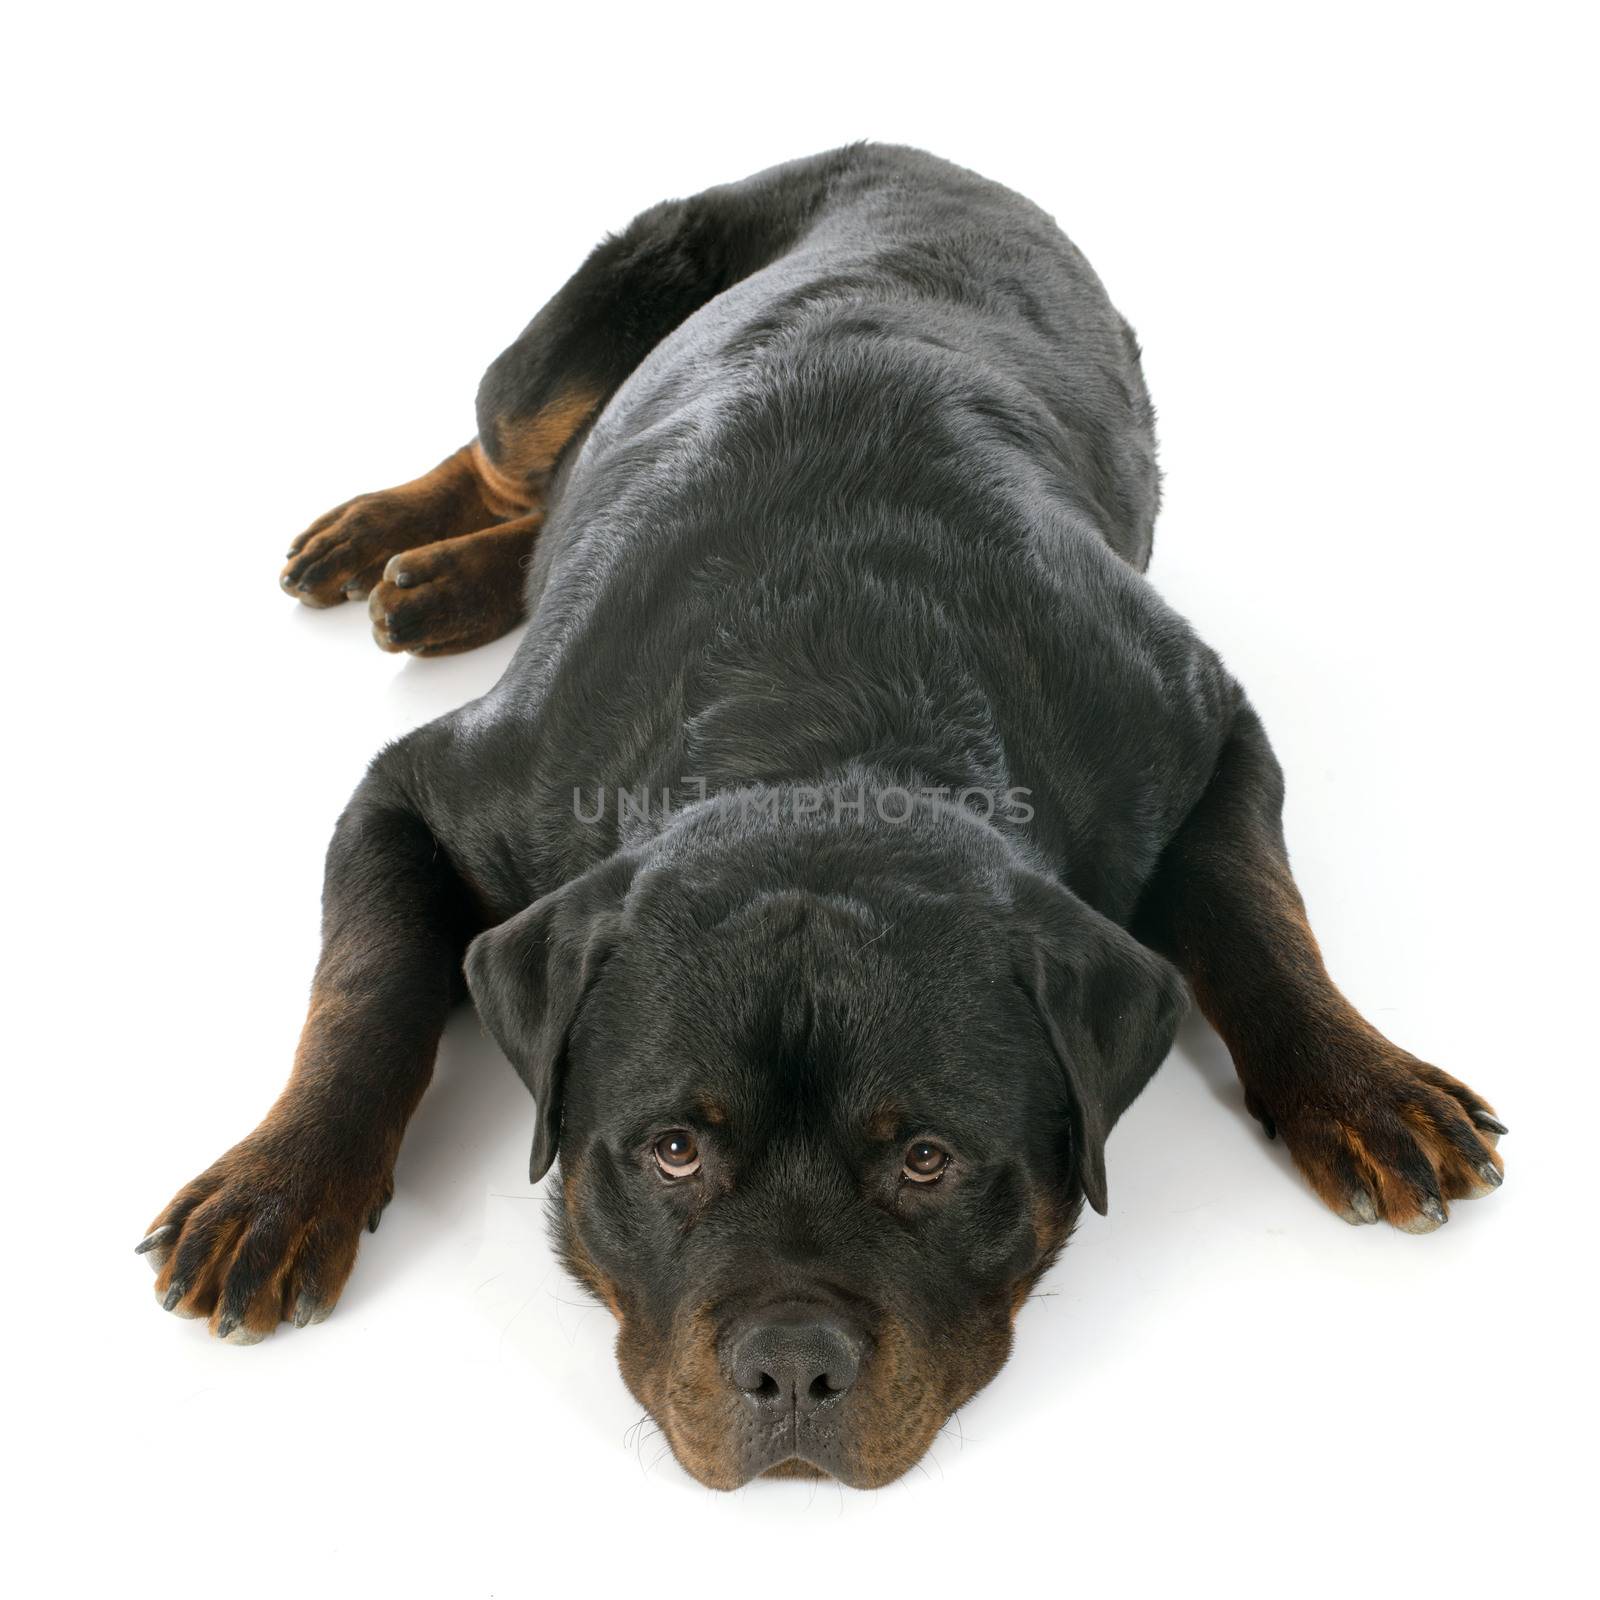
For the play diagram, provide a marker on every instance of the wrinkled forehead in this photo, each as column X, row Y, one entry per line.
column 808, row 1007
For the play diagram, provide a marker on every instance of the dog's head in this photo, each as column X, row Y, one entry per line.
column 827, row 1104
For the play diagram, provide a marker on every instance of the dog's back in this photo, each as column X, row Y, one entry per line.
column 912, row 314
column 865, row 502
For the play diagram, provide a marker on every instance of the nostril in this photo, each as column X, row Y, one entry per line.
column 799, row 1364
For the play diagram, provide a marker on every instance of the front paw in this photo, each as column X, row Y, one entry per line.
column 267, row 1234
column 1380, row 1135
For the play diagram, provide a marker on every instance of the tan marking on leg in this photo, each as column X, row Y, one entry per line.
column 1362, row 1117
column 271, row 1229
column 504, row 494
column 342, row 554
column 527, row 448
column 456, row 594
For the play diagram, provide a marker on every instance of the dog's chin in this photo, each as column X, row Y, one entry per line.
column 874, row 1471
column 796, row 1467
column 869, row 1474
column 717, row 1470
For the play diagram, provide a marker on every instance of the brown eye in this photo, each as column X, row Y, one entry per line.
column 677, row 1154
column 926, row 1161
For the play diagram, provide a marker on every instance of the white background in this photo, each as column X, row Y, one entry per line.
column 257, row 261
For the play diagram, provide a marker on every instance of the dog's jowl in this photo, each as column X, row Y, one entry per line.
column 830, row 859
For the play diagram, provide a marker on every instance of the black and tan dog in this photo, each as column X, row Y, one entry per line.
column 828, row 856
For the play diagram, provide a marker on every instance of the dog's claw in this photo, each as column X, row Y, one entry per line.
column 1361, row 1203
column 1490, row 1124
column 174, row 1295
column 1491, row 1174
column 307, row 1311
column 154, row 1238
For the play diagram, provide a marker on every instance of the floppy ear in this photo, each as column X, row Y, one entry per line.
column 529, row 975
column 1109, row 1006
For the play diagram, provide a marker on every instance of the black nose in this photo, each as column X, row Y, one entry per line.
column 795, row 1364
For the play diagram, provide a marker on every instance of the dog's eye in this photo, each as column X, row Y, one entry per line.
column 677, row 1154
column 926, row 1161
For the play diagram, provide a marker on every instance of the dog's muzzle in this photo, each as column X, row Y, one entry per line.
column 794, row 1369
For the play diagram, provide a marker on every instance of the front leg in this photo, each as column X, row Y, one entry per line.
column 270, row 1231
column 1378, row 1133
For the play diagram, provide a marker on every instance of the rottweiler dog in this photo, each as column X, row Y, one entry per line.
column 832, row 857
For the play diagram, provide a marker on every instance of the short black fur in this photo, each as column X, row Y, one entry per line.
column 807, row 827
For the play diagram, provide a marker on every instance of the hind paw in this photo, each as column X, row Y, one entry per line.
column 454, row 595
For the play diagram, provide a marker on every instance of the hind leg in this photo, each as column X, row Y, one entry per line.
column 535, row 402
column 443, row 598
column 342, row 554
